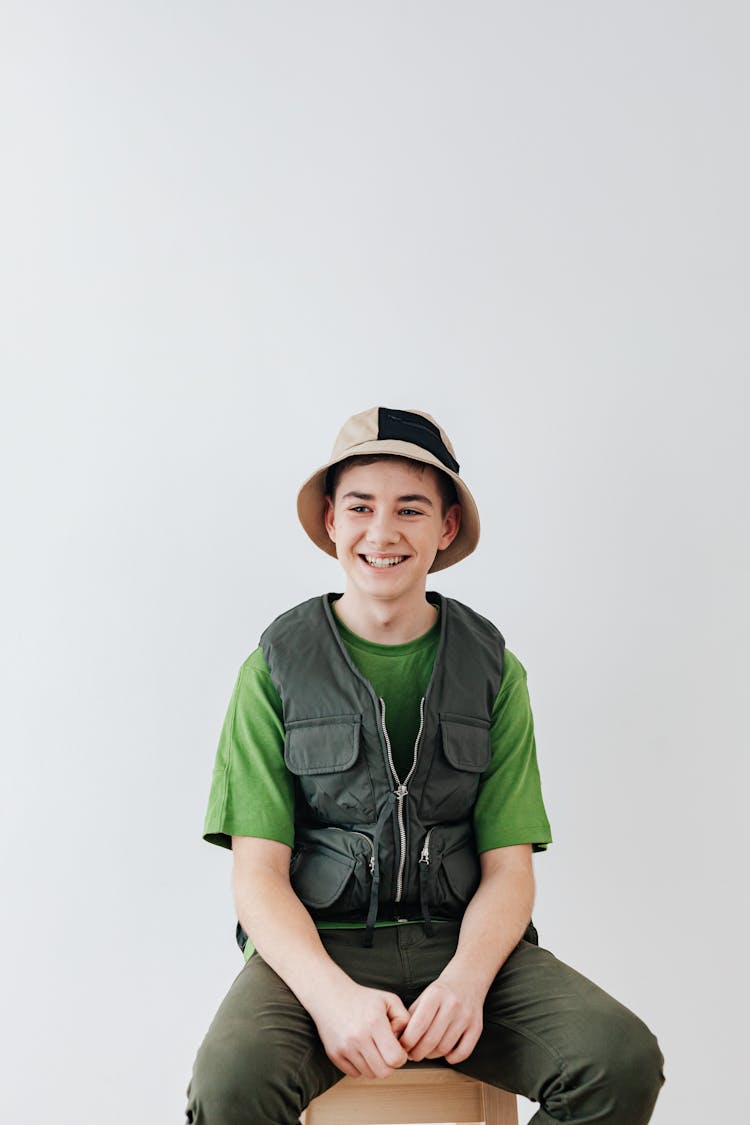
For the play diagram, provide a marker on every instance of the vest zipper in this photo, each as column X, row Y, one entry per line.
column 371, row 862
column 401, row 791
column 425, row 856
column 424, row 890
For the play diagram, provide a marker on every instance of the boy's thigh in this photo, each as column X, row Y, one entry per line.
column 261, row 1050
column 557, row 1038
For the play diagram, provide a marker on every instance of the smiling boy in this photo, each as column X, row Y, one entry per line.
column 388, row 522
column 377, row 782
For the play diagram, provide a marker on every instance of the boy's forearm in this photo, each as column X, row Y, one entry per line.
column 285, row 935
column 358, row 1026
column 446, row 1019
column 492, row 926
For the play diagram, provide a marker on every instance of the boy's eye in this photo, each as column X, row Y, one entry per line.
column 402, row 511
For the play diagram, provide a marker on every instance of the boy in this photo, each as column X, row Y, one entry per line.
column 377, row 782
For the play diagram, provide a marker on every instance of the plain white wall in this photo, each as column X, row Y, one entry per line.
column 228, row 226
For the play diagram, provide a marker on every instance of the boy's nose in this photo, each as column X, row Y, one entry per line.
column 382, row 533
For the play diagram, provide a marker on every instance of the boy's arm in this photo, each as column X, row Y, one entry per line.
column 359, row 1027
column 446, row 1019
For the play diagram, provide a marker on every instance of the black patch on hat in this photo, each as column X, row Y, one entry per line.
column 402, row 425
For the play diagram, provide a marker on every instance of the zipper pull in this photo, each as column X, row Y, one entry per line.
column 425, row 856
column 401, row 792
column 372, row 864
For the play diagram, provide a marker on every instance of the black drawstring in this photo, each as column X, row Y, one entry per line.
column 372, row 913
column 424, row 898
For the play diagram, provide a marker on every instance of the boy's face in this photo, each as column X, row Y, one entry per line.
column 387, row 523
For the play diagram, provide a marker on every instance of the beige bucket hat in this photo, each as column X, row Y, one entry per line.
column 406, row 433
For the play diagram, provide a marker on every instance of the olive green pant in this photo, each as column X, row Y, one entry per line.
column 549, row 1034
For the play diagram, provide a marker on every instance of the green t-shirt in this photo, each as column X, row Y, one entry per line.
column 400, row 675
column 252, row 791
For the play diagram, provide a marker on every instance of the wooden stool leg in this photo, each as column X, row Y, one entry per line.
column 500, row 1108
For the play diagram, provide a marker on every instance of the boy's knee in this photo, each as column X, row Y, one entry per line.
column 219, row 1092
column 624, row 1070
column 232, row 1086
column 641, row 1067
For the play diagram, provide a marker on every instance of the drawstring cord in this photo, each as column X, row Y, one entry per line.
column 372, row 913
column 424, row 897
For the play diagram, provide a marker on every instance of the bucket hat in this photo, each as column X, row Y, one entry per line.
column 404, row 433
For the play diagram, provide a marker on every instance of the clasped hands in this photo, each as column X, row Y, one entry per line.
column 369, row 1033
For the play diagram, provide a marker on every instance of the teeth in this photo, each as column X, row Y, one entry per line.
column 383, row 563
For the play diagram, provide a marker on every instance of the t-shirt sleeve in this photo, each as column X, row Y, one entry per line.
column 509, row 808
column 252, row 791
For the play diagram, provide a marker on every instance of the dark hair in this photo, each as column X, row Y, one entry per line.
column 446, row 487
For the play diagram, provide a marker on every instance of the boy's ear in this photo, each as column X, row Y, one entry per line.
column 451, row 526
column 328, row 520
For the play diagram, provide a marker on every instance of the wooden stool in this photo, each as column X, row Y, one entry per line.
column 412, row 1095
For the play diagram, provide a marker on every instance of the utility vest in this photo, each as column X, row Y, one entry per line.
column 368, row 843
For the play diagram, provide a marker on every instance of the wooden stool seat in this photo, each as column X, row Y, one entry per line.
column 411, row 1096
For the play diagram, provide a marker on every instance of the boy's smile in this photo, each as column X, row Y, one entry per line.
column 387, row 524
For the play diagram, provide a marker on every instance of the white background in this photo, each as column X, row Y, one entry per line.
column 225, row 228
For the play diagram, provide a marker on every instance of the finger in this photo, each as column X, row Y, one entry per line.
column 424, row 1050
column 383, row 1055
column 449, row 1042
column 438, row 1031
column 381, row 1069
column 432, row 1016
column 464, row 1046
column 362, row 1068
column 397, row 1014
column 391, row 1051
column 345, row 1065
column 422, row 1015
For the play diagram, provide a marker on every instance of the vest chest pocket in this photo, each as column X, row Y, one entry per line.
column 462, row 755
column 325, row 755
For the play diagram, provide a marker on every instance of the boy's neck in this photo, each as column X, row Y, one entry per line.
column 386, row 623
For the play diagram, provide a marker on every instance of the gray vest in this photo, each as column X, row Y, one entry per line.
column 369, row 843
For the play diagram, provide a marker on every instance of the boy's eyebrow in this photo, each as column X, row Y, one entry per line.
column 410, row 499
column 415, row 497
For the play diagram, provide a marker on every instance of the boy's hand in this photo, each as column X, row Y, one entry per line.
column 445, row 1021
column 359, row 1028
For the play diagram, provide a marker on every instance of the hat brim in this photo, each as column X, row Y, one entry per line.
column 311, row 501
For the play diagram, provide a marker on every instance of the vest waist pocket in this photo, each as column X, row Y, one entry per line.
column 449, row 869
column 331, row 872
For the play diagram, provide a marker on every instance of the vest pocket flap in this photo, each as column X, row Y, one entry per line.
column 319, row 875
column 329, row 745
column 466, row 743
